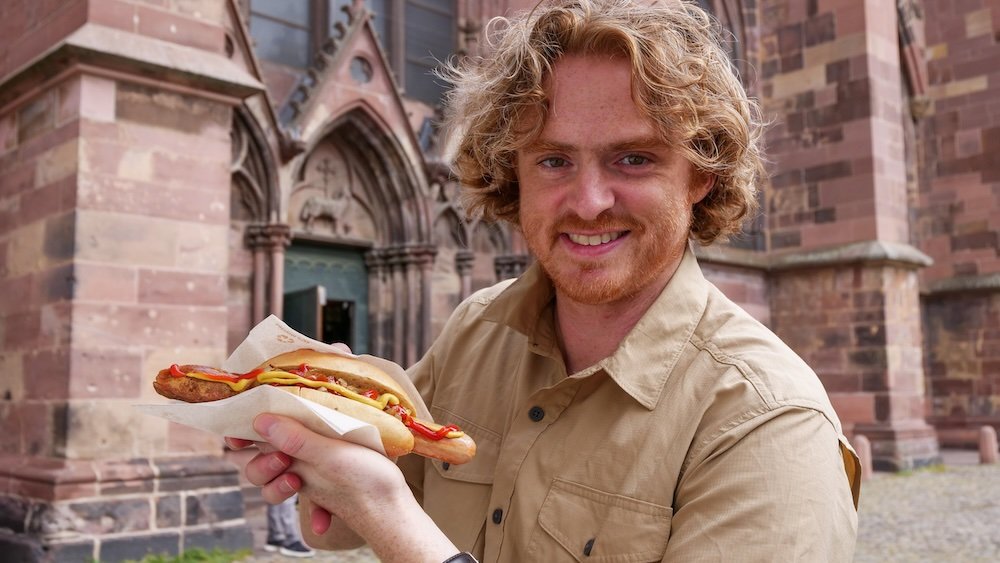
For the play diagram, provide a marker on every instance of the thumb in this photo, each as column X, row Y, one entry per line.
column 288, row 436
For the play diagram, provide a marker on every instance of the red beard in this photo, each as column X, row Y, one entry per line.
column 647, row 251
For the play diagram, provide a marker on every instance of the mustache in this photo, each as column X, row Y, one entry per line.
column 603, row 223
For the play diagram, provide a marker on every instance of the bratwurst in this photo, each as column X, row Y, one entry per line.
column 347, row 385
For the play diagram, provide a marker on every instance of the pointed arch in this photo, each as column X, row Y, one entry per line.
column 450, row 230
column 253, row 169
column 358, row 187
column 396, row 187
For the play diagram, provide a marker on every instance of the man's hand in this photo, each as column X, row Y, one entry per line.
column 352, row 483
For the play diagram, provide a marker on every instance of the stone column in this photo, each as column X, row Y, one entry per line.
column 278, row 238
column 844, row 288
column 426, row 263
column 853, row 314
column 413, row 294
column 259, row 284
column 397, row 268
column 463, row 266
column 510, row 265
column 378, row 308
column 958, row 219
column 114, row 267
column 268, row 243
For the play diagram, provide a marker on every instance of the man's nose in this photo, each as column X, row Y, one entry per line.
column 592, row 193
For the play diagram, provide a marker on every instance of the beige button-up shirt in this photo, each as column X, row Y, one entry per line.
column 702, row 438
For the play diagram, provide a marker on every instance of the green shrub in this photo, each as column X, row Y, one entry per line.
column 196, row 555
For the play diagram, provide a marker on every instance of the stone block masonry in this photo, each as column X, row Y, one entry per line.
column 114, row 236
column 853, row 315
column 63, row 510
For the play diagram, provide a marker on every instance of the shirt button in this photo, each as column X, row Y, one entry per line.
column 536, row 413
column 445, row 466
column 589, row 547
column 497, row 516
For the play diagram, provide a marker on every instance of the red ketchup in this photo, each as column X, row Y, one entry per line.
column 424, row 431
column 215, row 374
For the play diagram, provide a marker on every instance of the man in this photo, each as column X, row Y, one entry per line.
column 283, row 534
column 622, row 406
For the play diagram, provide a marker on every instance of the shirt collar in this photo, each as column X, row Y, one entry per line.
column 527, row 307
column 644, row 360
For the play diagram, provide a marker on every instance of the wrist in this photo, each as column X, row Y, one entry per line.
column 413, row 536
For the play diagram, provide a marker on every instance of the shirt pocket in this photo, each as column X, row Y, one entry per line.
column 586, row 524
column 457, row 497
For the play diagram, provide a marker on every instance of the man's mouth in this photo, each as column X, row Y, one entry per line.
column 594, row 240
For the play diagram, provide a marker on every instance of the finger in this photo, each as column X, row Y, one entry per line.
column 237, row 443
column 319, row 520
column 266, row 467
column 281, row 488
column 240, row 444
column 292, row 438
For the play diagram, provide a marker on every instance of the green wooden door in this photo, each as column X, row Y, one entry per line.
column 343, row 277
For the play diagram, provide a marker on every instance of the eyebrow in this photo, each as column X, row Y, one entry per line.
column 647, row 143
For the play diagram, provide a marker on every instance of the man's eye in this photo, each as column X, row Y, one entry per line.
column 553, row 162
column 634, row 160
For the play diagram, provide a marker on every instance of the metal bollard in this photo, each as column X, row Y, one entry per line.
column 864, row 448
column 987, row 444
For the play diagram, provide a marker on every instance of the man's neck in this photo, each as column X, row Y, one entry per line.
column 589, row 333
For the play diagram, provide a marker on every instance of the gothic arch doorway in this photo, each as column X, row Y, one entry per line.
column 326, row 294
column 360, row 231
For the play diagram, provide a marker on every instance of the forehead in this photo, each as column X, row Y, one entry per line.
column 590, row 97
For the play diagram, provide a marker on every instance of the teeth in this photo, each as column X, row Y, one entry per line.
column 594, row 240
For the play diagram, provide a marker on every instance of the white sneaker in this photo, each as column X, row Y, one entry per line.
column 296, row 549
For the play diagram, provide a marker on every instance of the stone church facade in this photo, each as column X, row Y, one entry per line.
column 173, row 171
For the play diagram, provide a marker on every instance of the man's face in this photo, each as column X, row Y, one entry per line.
column 605, row 204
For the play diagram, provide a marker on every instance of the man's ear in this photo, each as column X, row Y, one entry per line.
column 701, row 184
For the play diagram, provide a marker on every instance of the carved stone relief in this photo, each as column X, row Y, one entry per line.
column 332, row 199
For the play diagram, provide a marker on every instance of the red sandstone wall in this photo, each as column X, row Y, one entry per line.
column 958, row 220
column 154, row 217
column 747, row 287
column 30, row 27
column 239, row 286
column 92, row 300
column 838, row 174
column 193, row 24
column 38, row 185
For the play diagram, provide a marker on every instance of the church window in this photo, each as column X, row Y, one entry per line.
column 415, row 34
column 282, row 31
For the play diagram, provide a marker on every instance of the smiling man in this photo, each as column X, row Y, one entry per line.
column 624, row 409
column 605, row 204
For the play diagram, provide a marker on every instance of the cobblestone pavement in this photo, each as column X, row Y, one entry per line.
column 948, row 514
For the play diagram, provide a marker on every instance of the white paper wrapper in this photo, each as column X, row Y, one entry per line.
column 234, row 416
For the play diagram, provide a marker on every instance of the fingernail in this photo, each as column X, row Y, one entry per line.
column 278, row 462
column 263, row 423
column 285, row 487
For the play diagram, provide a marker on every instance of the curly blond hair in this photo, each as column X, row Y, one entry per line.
column 683, row 80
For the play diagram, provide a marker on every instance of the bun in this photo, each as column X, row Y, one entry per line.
column 358, row 373
column 339, row 382
column 363, row 375
column 397, row 440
